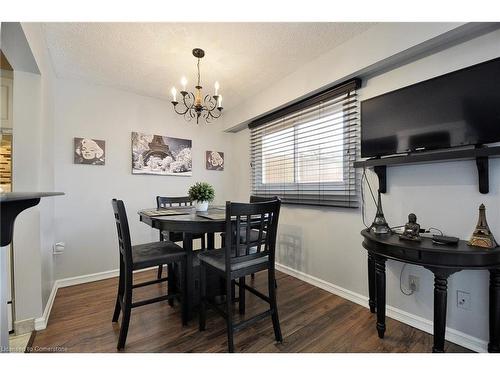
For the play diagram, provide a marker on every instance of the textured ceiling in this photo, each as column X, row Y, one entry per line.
column 149, row 58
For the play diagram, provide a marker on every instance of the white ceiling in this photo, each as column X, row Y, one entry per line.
column 149, row 58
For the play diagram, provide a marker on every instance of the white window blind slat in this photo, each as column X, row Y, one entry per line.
column 306, row 156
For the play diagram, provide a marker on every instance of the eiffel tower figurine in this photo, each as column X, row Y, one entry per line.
column 379, row 225
column 482, row 236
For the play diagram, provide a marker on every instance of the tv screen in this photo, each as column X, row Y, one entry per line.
column 456, row 109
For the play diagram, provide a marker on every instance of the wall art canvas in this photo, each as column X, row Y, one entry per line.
column 214, row 160
column 89, row 151
column 161, row 155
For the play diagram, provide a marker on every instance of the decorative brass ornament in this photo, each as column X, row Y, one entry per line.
column 482, row 236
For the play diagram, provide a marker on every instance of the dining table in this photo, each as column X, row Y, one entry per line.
column 187, row 220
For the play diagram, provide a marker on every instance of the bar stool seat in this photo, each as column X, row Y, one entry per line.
column 217, row 259
column 154, row 253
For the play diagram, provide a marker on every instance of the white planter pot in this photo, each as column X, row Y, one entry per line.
column 201, row 206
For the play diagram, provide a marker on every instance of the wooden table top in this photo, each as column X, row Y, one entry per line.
column 19, row 196
column 428, row 253
column 188, row 220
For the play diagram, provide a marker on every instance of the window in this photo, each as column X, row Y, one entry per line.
column 305, row 152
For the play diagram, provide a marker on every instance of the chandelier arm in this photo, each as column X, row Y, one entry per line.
column 210, row 102
column 212, row 113
column 209, row 118
column 182, row 113
column 186, row 117
column 187, row 104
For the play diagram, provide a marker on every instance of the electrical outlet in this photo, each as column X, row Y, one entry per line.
column 58, row 248
column 463, row 300
column 414, row 283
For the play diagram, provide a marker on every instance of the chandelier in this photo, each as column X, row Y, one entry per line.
column 194, row 105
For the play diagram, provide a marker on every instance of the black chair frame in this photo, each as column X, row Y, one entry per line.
column 245, row 258
column 163, row 202
column 124, row 301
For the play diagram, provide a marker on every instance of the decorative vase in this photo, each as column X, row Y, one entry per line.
column 201, row 205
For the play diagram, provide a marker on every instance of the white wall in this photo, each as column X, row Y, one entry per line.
column 46, row 160
column 25, row 176
column 84, row 216
column 33, row 170
column 325, row 242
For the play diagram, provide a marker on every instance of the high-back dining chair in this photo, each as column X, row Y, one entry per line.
column 253, row 199
column 139, row 257
column 168, row 202
column 241, row 258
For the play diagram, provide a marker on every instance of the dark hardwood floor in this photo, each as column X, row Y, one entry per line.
column 312, row 320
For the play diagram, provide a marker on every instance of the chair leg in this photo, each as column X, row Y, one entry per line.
column 273, row 304
column 126, row 311
column 171, row 285
column 241, row 295
column 229, row 319
column 119, row 295
column 160, row 267
column 184, row 291
column 203, row 297
column 233, row 290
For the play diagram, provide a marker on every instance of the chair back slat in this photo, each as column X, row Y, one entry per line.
column 244, row 220
column 238, row 230
column 165, row 202
column 122, row 229
column 260, row 199
column 262, row 225
column 247, row 234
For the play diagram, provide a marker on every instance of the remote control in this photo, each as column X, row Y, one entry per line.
column 444, row 240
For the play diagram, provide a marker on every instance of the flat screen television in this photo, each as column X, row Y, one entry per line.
column 456, row 109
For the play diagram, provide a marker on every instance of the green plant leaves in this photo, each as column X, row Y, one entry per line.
column 202, row 191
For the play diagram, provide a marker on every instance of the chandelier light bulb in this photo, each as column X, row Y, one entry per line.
column 174, row 94
column 184, row 83
column 219, row 101
column 216, row 87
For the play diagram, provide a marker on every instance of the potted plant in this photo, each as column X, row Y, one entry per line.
column 201, row 193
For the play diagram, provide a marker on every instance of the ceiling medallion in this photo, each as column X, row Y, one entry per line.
column 193, row 105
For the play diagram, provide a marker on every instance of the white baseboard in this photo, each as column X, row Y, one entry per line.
column 452, row 335
column 22, row 327
column 41, row 323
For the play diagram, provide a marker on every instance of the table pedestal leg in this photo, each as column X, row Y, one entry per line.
column 189, row 274
column 210, row 241
column 440, row 300
column 380, row 291
column 371, row 283
column 494, row 344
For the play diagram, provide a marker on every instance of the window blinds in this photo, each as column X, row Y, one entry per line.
column 305, row 153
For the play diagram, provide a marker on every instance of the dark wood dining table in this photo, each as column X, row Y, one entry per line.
column 187, row 221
